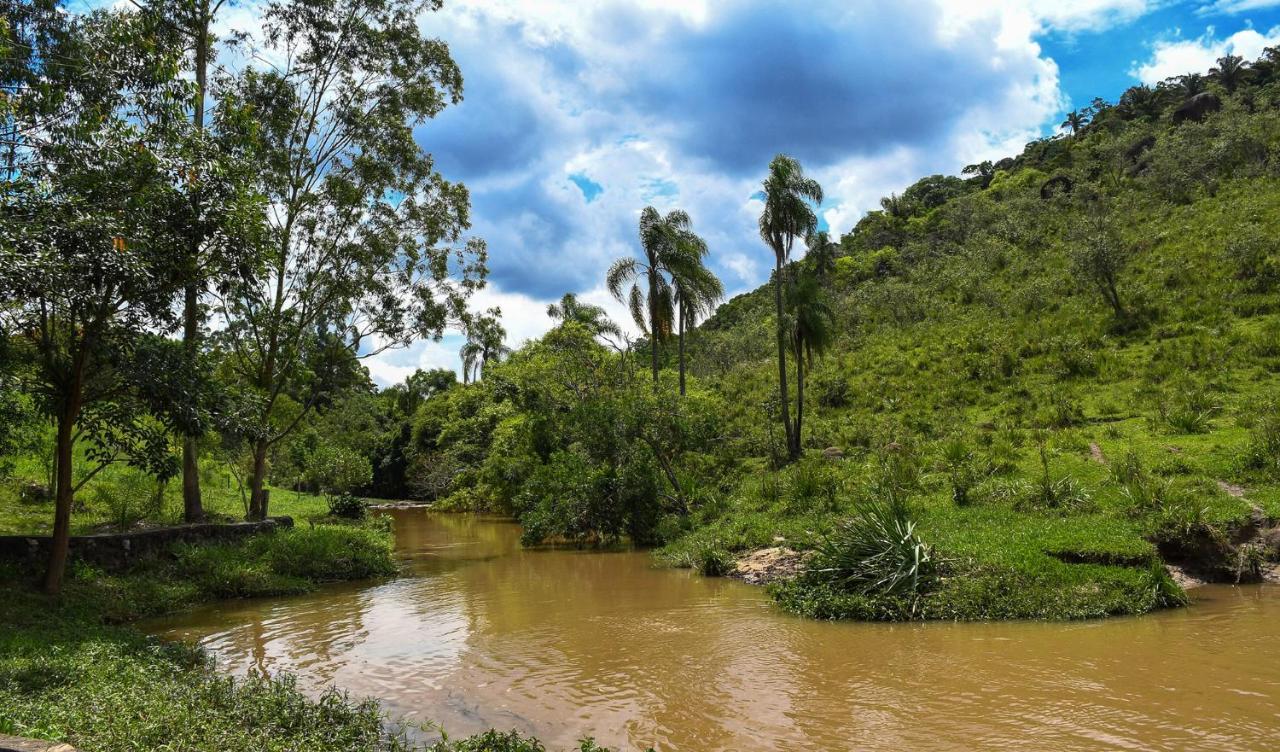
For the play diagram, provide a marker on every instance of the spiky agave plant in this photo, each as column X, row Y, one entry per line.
column 876, row 552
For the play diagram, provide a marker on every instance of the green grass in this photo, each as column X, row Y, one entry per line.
column 120, row 494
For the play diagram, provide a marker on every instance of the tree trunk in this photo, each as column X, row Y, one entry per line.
column 783, row 392
column 794, row 449
column 65, row 492
column 257, row 491
column 682, row 351
column 192, row 506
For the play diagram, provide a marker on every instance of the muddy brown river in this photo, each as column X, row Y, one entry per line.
column 565, row 644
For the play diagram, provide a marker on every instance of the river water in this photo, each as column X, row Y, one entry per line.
column 564, row 644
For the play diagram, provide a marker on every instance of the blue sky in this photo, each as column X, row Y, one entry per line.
column 578, row 113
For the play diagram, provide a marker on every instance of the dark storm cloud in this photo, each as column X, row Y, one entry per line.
column 771, row 78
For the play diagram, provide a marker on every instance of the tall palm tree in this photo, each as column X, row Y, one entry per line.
column 1230, row 71
column 666, row 245
column 787, row 215
column 592, row 317
column 823, row 254
column 486, row 343
column 811, row 327
column 697, row 290
column 1075, row 121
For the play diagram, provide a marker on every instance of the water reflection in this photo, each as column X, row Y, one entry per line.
column 564, row 644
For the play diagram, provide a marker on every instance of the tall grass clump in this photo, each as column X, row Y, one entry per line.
column 327, row 552
column 875, row 552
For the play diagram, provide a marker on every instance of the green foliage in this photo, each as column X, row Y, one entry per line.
column 348, row 506
column 875, row 552
column 337, row 470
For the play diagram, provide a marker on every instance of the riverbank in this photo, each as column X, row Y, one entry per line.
column 72, row 669
column 1091, row 524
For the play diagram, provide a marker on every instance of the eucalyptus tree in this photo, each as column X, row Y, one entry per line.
column 93, row 108
column 364, row 246
column 810, row 329
column 592, row 317
column 668, row 244
column 822, row 254
column 486, row 343
column 697, row 291
column 788, row 214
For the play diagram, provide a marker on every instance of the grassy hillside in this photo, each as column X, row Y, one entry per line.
column 975, row 348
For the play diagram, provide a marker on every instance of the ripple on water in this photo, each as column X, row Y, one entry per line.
column 564, row 644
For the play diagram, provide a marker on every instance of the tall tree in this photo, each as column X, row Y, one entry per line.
column 362, row 249
column 87, row 255
column 592, row 317
column 697, row 291
column 788, row 214
column 1230, row 71
column 811, row 328
column 486, row 343
column 218, row 215
column 666, row 243
column 1099, row 255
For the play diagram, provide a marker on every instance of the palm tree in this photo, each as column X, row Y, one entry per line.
column 591, row 317
column 666, row 243
column 486, row 343
column 1139, row 102
column 1075, row 121
column 787, row 215
column 1230, row 72
column 697, row 291
column 1191, row 84
column 823, row 253
column 810, row 324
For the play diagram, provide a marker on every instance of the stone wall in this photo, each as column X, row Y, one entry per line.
column 114, row 550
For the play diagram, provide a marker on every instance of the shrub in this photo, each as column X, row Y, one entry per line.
column 1073, row 358
column 1188, row 410
column 713, row 561
column 877, row 551
column 348, row 506
column 1263, row 450
column 963, row 468
column 1063, row 494
column 1253, row 255
column 831, row 391
column 326, row 552
column 1060, row 410
column 812, row 480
